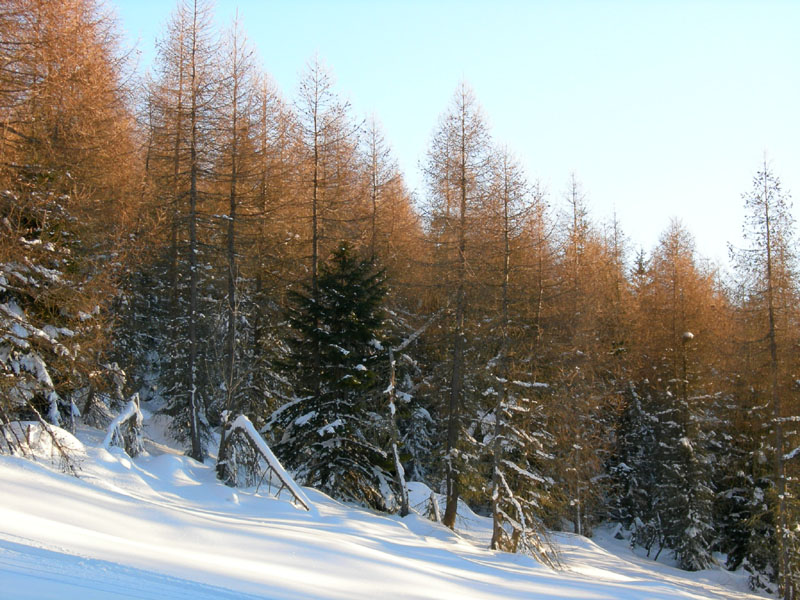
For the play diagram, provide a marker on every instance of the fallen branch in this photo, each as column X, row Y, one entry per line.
column 260, row 461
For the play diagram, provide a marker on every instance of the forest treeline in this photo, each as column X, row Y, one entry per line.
column 199, row 238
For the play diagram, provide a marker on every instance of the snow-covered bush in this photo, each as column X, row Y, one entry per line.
column 43, row 442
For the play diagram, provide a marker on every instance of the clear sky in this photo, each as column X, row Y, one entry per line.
column 661, row 108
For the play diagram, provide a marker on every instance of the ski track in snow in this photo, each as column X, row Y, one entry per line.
column 162, row 527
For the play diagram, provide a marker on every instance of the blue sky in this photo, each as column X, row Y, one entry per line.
column 661, row 108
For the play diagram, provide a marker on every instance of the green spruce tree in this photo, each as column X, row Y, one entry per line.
column 329, row 431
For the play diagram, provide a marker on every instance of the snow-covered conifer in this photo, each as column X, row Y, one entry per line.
column 327, row 433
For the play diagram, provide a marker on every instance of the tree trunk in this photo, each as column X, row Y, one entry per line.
column 197, row 450
column 499, row 415
column 176, row 195
column 231, row 334
column 315, row 250
column 400, row 477
column 775, row 398
column 457, row 380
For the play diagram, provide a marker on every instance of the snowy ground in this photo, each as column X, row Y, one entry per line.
column 162, row 527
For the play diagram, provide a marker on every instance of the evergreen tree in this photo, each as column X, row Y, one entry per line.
column 630, row 468
column 688, row 496
column 519, row 448
column 328, row 434
column 417, row 439
column 636, row 475
column 733, row 479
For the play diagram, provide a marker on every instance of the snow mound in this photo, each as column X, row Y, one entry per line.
column 31, row 439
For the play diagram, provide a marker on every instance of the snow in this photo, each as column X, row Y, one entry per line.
column 330, row 428
column 13, row 310
column 21, row 333
column 162, row 526
column 532, row 384
column 792, row 455
column 523, row 472
column 303, row 419
column 34, row 364
column 41, row 441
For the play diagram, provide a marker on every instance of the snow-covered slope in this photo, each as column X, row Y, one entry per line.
column 162, row 527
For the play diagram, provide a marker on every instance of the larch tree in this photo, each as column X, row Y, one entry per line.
column 540, row 277
column 392, row 229
column 576, row 259
column 580, row 414
column 276, row 253
column 185, row 100
column 68, row 163
column 661, row 468
column 614, row 303
column 381, row 173
column 767, row 274
column 237, row 125
column 327, row 134
column 237, row 164
column 458, row 167
column 684, row 293
column 515, row 437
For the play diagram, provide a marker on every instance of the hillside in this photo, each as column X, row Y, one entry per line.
column 161, row 526
column 213, row 221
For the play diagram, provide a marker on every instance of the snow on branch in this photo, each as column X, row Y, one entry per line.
column 532, row 384
column 129, row 438
column 793, row 454
column 523, row 472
